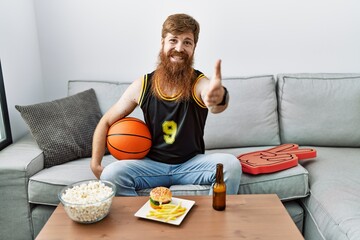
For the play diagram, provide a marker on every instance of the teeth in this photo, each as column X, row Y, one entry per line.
column 177, row 58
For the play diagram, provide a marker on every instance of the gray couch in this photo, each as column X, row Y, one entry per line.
column 321, row 111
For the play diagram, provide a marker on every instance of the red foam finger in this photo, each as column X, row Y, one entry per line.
column 274, row 159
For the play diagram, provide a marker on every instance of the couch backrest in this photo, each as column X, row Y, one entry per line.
column 306, row 109
column 250, row 120
column 251, row 117
column 107, row 93
column 319, row 109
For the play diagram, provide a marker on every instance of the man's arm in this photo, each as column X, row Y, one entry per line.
column 123, row 107
column 212, row 91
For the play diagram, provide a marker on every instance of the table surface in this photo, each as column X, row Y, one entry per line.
column 255, row 216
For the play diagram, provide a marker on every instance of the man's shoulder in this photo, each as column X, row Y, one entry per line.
column 150, row 73
column 196, row 71
column 198, row 74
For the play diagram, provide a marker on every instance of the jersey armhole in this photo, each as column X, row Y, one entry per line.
column 196, row 99
column 143, row 89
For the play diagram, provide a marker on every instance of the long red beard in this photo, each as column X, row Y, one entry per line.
column 175, row 78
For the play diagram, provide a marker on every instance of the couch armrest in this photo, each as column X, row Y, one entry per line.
column 18, row 162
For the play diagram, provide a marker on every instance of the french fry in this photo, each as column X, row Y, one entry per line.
column 167, row 212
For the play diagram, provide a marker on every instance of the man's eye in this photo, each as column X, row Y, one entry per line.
column 188, row 43
column 172, row 40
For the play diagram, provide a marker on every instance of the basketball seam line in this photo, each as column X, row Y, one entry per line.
column 127, row 151
column 128, row 134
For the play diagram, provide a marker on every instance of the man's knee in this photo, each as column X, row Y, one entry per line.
column 113, row 171
column 232, row 173
column 232, row 164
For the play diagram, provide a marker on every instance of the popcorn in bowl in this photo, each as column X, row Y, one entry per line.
column 87, row 201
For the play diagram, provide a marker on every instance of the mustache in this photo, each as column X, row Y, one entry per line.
column 174, row 53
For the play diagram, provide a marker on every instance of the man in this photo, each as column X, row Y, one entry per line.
column 175, row 100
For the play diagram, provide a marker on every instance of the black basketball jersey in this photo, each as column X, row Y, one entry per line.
column 176, row 127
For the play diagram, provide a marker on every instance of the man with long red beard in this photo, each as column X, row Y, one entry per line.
column 175, row 100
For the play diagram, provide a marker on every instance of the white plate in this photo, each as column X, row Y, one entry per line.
column 145, row 209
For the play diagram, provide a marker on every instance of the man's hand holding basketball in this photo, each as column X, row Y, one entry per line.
column 215, row 91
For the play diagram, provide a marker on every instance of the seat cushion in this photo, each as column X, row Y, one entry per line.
column 288, row 184
column 333, row 203
column 45, row 185
column 296, row 212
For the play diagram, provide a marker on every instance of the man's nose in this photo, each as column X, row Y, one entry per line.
column 179, row 47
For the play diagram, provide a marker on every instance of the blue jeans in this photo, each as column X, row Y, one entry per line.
column 132, row 175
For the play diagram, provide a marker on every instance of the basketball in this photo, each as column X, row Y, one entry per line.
column 128, row 138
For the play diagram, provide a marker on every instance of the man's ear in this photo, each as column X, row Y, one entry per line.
column 162, row 44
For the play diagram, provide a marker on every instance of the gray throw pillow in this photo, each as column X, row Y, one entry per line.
column 63, row 128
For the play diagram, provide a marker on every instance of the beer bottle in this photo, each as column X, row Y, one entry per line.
column 219, row 189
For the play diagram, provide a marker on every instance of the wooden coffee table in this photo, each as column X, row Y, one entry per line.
column 245, row 217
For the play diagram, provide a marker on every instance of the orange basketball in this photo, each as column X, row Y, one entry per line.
column 128, row 138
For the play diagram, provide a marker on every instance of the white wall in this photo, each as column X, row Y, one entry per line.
column 120, row 40
column 20, row 59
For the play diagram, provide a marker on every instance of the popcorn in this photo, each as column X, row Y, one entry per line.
column 85, row 202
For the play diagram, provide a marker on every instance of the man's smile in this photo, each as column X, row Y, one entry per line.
column 176, row 56
column 176, row 59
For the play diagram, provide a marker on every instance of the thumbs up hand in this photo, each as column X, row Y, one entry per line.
column 215, row 91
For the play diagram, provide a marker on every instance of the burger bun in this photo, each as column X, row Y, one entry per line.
column 160, row 196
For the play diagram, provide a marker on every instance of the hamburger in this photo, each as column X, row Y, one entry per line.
column 160, row 196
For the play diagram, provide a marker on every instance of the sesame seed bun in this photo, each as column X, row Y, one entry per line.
column 159, row 196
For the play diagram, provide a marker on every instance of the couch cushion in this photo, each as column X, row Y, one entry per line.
column 63, row 128
column 46, row 184
column 296, row 212
column 107, row 93
column 251, row 117
column 319, row 109
column 335, row 192
column 288, row 184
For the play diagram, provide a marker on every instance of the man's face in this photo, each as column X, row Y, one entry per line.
column 178, row 48
column 174, row 71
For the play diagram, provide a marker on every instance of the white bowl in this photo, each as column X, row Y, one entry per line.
column 87, row 201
